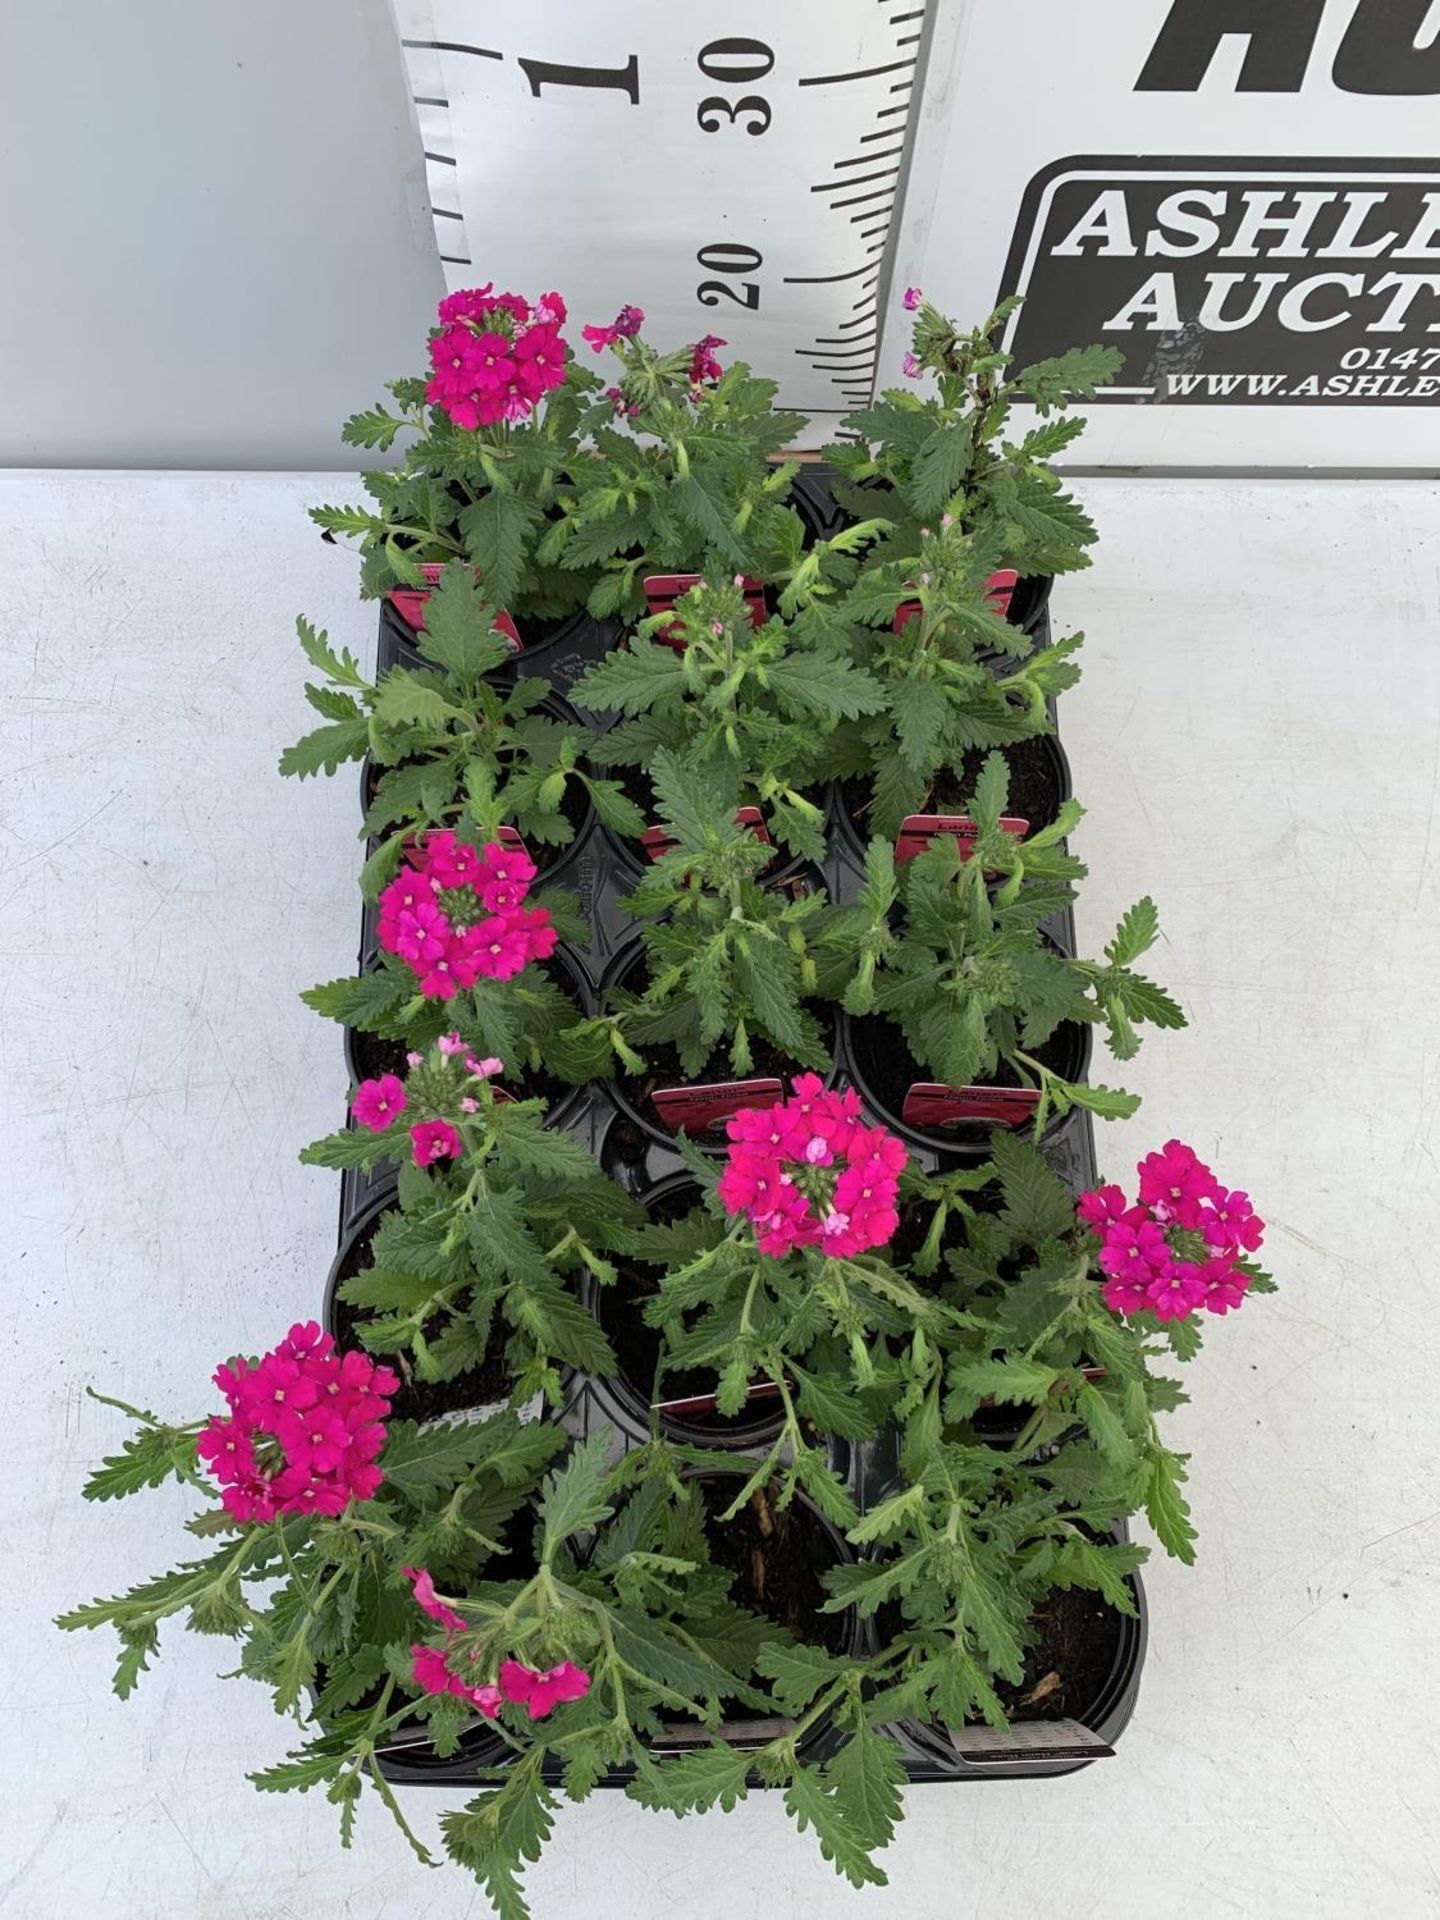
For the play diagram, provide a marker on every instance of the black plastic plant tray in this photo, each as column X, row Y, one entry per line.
column 634, row 1148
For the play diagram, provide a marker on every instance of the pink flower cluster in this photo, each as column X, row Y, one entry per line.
column 703, row 364
column 495, row 356
column 626, row 324
column 457, row 914
column 433, row 1669
column 1180, row 1247
column 782, row 1173
column 304, row 1430
column 378, row 1104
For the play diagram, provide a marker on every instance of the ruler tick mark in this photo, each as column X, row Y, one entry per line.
column 880, row 193
column 444, row 213
column 860, row 160
column 819, row 279
column 456, row 46
column 860, row 73
column 441, row 159
column 428, row 100
column 856, row 180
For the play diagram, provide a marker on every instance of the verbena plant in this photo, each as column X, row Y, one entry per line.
column 949, row 501
column 496, row 1217
column 483, row 468
column 725, row 953
column 451, row 744
column 942, row 697
column 915, row 459
column 674, row 470
column 970, row 977
column 980, row 1531
column 755, row 706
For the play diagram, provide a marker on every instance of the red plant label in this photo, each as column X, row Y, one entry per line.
column 999, row 592
column 917, row 831
column 658, row 840
column 506, row 836
column 409, row 603
column 705, row 1402
column 662, row 590
column 702, row 1109
column 928, row 1104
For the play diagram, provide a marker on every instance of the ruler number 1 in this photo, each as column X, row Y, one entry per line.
column 624, row 79
column 735, row 63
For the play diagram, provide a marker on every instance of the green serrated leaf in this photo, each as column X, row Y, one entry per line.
column 366, row 1000
column 1106, row 1427
column 796, row 1672
column 499, row 1831
column 811, row 1804
column 576, row 1495
column 149, row 1458
column 496, row 531
column 326, row 749
column 1037, row 1203
column 867, row 1775
column 715, row 1776
column 1166, row 1507
column 938, row 467
column 1137, row 932
column 405, row 699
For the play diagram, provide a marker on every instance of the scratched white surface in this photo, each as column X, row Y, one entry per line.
column 1257, row 742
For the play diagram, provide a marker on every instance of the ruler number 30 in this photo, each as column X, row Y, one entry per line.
column 736, row 63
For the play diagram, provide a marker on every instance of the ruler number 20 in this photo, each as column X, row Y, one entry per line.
column 727, row 256
column 734, row 62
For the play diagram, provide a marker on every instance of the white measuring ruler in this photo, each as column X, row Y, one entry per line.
column 734, row 170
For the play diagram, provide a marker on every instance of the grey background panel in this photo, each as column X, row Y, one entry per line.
column 214, row 228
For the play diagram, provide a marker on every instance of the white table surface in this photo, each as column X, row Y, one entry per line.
column 1258, row 743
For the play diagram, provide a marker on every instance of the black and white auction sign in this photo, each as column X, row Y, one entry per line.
column 1243, row 196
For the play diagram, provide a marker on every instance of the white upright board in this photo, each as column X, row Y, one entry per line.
column 732, row 169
